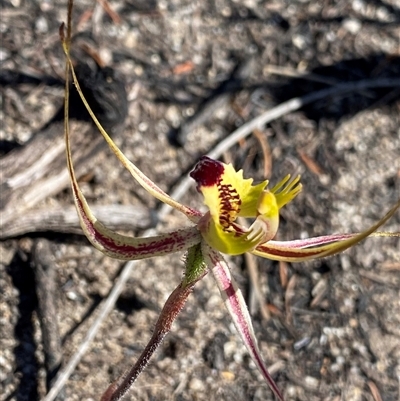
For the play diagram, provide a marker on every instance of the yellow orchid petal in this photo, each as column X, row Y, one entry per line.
column 236, row 240
column 268, row 215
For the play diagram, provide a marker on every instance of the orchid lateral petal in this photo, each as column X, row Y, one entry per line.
column 318, row 247
column 171, row 309
column 313, row 241
column 287, row 253
column 141, row 178
column 117, row 245
column 237, row 308
column 121, row 246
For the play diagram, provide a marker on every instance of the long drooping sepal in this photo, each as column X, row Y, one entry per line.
column 141, row 178
column 121, row 246
column 237, row 308
column 172, row 308
column 319, row 247
column 117, row 245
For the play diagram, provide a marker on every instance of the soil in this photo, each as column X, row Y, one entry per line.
column 334, row 327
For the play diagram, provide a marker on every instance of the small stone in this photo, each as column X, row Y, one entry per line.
column 311, row 382
column 4, row 54
column 41, row 25
column 352, row 25
column 131, row 39
column 196, row 384
column 155, row 59
column 71, row 295
column 299, row 41
column 228, row 376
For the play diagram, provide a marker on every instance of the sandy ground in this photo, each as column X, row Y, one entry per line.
column 334, row 330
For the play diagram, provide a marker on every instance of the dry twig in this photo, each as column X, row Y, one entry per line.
column 65, row 220
column 279, row 111
column 43, row 264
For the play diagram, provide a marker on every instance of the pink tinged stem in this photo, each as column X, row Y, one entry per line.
column 172, row 307
column 237, row 308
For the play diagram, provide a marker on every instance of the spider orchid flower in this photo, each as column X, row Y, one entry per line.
column 227, row 195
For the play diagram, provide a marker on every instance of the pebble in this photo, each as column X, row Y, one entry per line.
column 196, row 384
column 352, row 25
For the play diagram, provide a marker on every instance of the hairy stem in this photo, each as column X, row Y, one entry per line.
column 172, row 307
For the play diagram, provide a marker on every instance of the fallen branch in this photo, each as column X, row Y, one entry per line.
column 65, row 220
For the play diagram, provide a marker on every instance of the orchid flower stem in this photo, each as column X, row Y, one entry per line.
column 172, row 307
column 195, row 270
